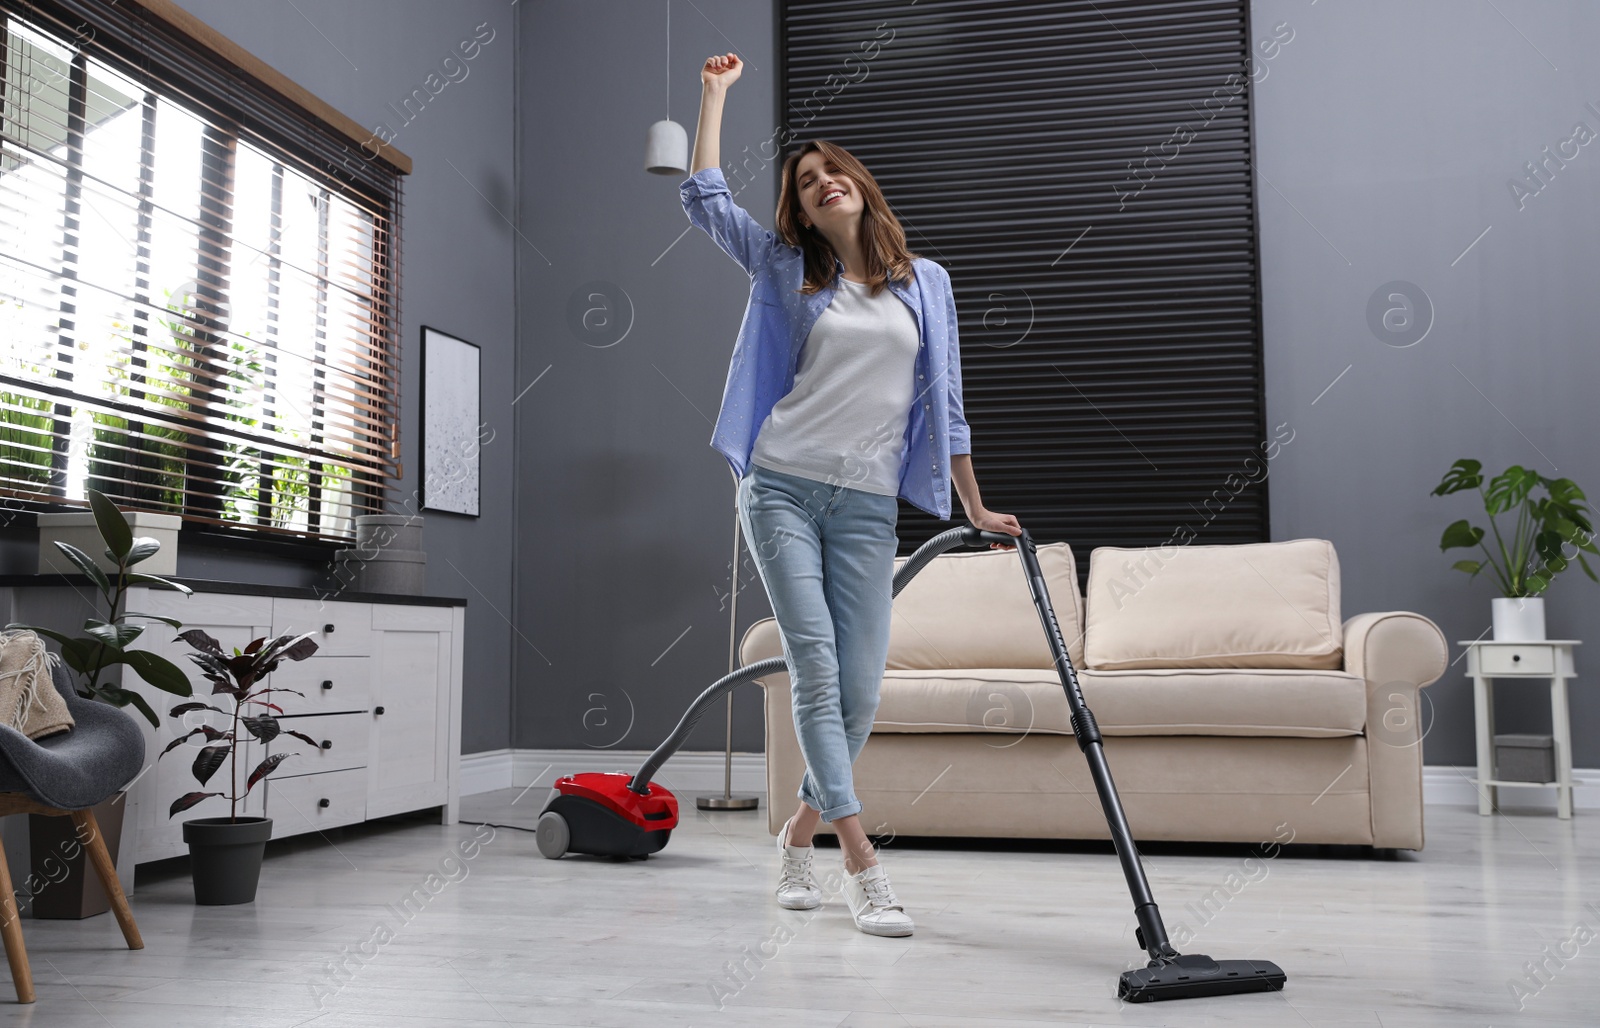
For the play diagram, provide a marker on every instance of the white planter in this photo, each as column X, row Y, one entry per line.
column 1518, row 619
column 79, row 529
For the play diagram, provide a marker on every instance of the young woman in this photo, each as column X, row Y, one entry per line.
column 846, row 360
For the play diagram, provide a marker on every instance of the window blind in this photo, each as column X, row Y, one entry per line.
column 1083, row 170
column 198, row 284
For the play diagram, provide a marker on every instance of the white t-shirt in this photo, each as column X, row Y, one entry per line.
column 844, row 421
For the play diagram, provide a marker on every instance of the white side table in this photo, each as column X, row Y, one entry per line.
column 1549, row 659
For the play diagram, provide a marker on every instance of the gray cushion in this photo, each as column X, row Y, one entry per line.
column 102, row 753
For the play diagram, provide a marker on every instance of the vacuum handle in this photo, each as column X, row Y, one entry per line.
column 982, row 537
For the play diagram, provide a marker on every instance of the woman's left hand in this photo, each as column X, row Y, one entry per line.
column 989, row 521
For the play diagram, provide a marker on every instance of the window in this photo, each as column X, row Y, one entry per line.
column 198, row 301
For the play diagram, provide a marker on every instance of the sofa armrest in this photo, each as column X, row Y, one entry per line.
column 761, row 641
column 1398, row 653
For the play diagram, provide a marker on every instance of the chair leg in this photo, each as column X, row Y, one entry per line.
column 11, row 932
column 89, row 831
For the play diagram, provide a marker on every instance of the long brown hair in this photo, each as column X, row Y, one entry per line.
column 883, row 241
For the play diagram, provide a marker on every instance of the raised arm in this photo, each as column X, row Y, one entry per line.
column 716, row 75
column 705, row 194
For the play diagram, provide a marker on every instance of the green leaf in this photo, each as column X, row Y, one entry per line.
column 139, row 578
column 159, row 672
column 143, row 548
column 1471, row 567
column 48, row 633
column 1586, row 568
column 117, row 636
column 174, row 622
column 113, row 526
column 1463, row 474
column 85, row 564
column 1460, row 534
column 138, row 702
column 1509, row 488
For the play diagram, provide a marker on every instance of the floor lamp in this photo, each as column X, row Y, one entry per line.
column 728, row 801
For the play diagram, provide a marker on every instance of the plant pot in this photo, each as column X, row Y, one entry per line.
column 225, row 857
column 63, row 883
column 1518, row 618
column 79, row 528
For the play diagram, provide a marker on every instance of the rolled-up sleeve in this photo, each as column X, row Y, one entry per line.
column 960, row 432
column 710, row 206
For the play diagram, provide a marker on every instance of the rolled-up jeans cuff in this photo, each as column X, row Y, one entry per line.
column 842, row 810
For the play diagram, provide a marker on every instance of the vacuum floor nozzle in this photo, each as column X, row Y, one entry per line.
column 1196, row 974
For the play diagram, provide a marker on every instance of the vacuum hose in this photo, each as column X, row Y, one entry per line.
column 966, row 535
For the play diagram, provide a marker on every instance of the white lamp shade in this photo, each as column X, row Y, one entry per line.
column 666, row 152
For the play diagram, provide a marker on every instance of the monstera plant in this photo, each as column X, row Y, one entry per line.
column 1550, row 532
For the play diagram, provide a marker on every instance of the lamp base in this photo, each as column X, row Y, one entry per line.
column 726, row 802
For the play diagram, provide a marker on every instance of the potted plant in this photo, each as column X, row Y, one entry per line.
column 225, row 852
column 73, row 892
column 1548, row 534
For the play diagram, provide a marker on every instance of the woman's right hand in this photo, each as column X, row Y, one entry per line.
column 722, row 71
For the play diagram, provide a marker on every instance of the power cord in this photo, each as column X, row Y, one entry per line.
column 491, row 824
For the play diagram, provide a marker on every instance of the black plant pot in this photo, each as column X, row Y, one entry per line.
column 225, row 857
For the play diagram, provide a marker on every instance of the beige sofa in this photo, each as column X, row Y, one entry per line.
column 1236, row 705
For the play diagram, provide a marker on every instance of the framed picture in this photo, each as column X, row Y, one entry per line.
column 450, row 419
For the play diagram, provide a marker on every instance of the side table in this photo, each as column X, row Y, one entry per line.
column 1548, row 659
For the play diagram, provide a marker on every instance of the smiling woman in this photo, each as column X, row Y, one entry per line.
column 843, row 395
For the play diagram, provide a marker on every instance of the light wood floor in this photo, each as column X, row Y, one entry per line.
column 1007, row 934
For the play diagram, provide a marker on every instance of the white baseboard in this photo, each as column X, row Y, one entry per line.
column 685, row 773
column 1443, row 785
column 703, row 772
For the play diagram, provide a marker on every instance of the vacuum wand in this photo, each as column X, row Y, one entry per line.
column 1169, row 975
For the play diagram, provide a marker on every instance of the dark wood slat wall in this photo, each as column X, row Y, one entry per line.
column 1084, row 171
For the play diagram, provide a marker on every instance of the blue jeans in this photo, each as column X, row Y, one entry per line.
column 826, row 555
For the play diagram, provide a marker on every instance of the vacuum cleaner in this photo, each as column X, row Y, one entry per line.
column 620, row 815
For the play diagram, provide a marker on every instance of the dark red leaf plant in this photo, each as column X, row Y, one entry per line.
column 237, row 676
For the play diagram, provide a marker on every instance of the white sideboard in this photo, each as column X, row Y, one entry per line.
column 382, row 700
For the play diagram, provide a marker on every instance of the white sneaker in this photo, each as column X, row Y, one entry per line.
column 873, row 904
column 797, row 884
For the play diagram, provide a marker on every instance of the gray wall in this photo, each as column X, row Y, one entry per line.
column 456, row 252
column 360, row 56
column 626, row 512
column 1386, row 135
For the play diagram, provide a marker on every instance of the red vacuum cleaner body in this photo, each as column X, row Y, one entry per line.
column 597, row 813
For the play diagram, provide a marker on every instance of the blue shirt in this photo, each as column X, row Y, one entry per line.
column 777, row 320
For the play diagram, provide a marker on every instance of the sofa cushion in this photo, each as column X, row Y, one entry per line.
column 973, row 608
column 1246, row 605
column 1204, row 701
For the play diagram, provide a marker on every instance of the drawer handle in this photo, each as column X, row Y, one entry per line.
column 327, row 744
column 378, row 711
column 327, row 683
column 327, row 629
column 324, row 803
column 1515, row 657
